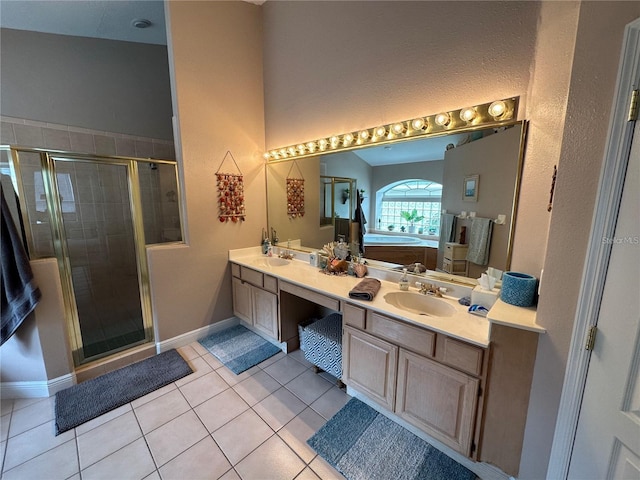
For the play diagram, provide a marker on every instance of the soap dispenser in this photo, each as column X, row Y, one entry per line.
column 404, row 281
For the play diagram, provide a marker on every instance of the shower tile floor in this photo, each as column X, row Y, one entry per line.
column 211, row 424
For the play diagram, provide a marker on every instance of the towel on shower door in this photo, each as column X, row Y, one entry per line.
column 480, row 240
column 20, row 295
column 447, row 230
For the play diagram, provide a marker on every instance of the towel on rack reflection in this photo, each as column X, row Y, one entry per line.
column 480, row 240
column 20, row 295
column 447, row 230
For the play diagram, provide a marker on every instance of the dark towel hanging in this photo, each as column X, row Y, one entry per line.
column 20, row 295
column 361, row 220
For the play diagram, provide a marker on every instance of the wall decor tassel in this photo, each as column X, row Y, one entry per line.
column 295, row 193
column 230, row 193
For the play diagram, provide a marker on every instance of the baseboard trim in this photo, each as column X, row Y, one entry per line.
column 36, row 389
column 195, row 335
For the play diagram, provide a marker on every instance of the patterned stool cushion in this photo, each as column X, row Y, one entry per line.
column 321, row 342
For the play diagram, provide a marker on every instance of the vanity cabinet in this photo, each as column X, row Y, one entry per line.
column 369, row 364
column 426, row 378
column 255, row 299
column 437, row 399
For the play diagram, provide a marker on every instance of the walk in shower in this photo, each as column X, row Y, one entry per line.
column 96, row 215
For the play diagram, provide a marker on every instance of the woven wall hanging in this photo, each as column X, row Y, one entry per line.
column 230, row 193
column 295, row 193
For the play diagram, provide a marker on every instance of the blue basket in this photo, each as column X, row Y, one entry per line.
column 518, row 289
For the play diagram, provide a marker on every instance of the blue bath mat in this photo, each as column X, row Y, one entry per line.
column 363, row 444
column 239, row 348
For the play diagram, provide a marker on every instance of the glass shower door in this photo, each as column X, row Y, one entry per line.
column 102, row 252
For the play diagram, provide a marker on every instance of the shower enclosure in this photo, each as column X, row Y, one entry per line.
column 96, row 214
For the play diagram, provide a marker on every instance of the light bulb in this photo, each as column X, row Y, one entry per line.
column 311, row 146
column 497, row 109
column 322, row 144
column 347, row 139
column 443, row 119
column 334, row 141
column 380, row 132
column 468, row 114
column 364, row 134
column 283, row 152
column 417, row 124
column 266, row 155
column 301, row 149
column 397, row 128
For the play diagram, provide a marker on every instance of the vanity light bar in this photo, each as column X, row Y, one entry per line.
column 469, row 118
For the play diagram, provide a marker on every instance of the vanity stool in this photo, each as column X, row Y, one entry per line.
column 321, row 342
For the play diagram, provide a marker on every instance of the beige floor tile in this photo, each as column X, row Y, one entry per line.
column 231, row 475
column 233, row 379
column 176, row 436
column 242, row 435
column 298, row 355
column 330, row 402
column 307, row 474
column 203, row 461
column 308, row 387
column 154, row 476
column 273, row 459
column 324, row 470
column 58, row 463
column 19, row 403
column 109, row 437
column 271, row 360
column 32, row 443
column 6, row 407
column 153, row 395
column 75, row 477
column 5, row 421
column 221, row 409
column 3, row 448
column 299, row 430
column 203, row 388
column 102, row 419
column 161, row 410
column 134, row 462
column 199, row 367
column 31, row 416
column 285, row 370
column 197, row 346
column 188, row 352
column 213, row 361
column 279, row 408
column 257, row 387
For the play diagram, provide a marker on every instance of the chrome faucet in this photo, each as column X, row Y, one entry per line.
column 274, row 237
column 429, row 289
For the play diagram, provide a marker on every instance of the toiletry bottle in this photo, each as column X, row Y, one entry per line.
column 267, row 248
column 265, row 242
column 404, row 280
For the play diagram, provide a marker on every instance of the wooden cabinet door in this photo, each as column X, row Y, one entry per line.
column 437, row 399
column 369, row 365
column 265, row 312
column 242, row 300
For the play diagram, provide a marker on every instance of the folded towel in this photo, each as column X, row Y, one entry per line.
column 366, row 289
column 480, row 240
column 447, row 230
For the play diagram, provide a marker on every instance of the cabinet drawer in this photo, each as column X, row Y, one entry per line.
column 354, row 316
column 312, row 296
column 460, row 355
column 235, row 270
column 271, row 283
column 416, row 339
column 251, row 276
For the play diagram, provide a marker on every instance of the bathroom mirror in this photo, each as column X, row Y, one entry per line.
column 494, row 155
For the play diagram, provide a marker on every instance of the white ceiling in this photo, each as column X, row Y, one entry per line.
column 87, row 18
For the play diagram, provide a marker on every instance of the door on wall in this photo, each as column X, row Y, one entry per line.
column 101, row 251
column 607, row 443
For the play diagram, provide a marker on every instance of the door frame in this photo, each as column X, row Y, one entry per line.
column 607, row 206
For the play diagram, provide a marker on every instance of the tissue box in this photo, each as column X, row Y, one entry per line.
column 482, row 297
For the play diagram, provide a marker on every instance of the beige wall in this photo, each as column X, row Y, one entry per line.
column 216, row 77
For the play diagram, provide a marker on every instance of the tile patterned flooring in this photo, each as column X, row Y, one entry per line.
column 212, row 424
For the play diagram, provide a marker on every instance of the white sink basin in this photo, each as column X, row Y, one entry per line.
column 420, row 304
column 271, row 262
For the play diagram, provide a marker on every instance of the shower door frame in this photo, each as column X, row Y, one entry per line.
column 59, row 238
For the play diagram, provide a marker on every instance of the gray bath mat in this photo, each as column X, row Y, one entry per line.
column 87, row 400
